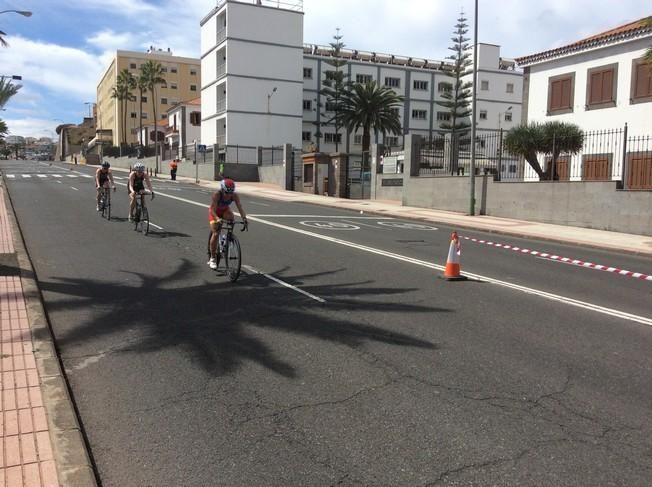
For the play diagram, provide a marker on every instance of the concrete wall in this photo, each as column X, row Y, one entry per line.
column 584, row 204
column 272, row 175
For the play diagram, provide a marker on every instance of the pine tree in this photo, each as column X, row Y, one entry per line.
column 457, row 99
column 335, row 84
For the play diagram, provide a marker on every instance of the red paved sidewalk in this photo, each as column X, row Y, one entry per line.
column 26, row 457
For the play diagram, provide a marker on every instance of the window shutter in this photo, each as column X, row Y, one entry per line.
column 643, row 81
column 595, row 95
column 565, row 93
column 607, row 85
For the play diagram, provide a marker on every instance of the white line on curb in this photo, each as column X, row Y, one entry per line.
column 74, row 188
column 527, row 290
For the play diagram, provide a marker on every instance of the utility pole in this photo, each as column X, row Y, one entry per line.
column 473, row 108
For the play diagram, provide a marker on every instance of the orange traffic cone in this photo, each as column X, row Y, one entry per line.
column 452, row 271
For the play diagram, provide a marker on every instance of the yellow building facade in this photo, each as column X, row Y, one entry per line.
column 182, row 82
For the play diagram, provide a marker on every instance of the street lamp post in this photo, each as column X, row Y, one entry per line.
column 474, row 115
column 499, row 166
column 269, row 95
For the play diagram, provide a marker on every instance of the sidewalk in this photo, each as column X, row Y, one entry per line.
column 40, row 440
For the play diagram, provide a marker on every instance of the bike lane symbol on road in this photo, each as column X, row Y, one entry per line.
column 324, row 225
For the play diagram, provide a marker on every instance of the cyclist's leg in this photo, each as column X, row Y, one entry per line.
column 227, row 216
column 132, row 204
column 215, row 232
column 98, row 196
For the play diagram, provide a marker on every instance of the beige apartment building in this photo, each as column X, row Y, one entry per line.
column 182, row 82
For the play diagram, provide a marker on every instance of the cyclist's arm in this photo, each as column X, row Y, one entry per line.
column 236, row 198
column 148, row 182
column 111, row 179
column 97, row 178
column 130, row 183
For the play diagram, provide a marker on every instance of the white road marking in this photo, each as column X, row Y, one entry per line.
column 59, row 182
column 259, row 215
column 524, row 289
column 408, row 226
column 42, row 175
column 155, row 226
column 259, row 204
column 11, row 176
column 329, row 225
column 358, row 222
column 86, row 362
column 56, row 175
column 71, row 175
column 74, row 188
column 283, row 283
column 86, row 176
column 27, row 176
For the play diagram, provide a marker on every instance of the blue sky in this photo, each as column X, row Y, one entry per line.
column 64, row 47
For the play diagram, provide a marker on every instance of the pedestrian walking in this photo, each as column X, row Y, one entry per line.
column 173, row 169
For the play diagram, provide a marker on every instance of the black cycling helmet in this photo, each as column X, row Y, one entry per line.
column 106, row 165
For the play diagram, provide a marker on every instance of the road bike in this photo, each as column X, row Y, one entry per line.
column 228, row 249
column 105, row 202
column 141, row 214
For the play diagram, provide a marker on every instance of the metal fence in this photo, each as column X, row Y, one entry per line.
column 271, row 156
column 603, row 155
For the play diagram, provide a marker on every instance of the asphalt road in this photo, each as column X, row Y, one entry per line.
column 535, row 373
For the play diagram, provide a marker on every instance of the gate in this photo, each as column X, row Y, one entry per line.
column 297, row 170
column 358, row 178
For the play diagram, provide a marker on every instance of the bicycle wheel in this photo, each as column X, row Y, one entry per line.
column 106, row 210
column 102, row 205
column 144, row 221
column 233, row 258
column 136, row 218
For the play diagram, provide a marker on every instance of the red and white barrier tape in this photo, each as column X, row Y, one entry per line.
column 580, row 263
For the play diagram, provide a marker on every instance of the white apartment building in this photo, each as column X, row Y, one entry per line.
column 598, row 83
column 261, row 84
column 251, row 53
column 184, row 126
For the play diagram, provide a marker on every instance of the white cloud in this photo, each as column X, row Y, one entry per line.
column 109, row 40
column 32, row 127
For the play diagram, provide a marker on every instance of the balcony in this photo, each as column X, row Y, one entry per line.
column 221, row 70
column 221, row 36
column 294, row 5
column 221, row 139
column 221, row 106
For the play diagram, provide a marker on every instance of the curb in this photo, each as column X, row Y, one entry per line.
column 74, row 464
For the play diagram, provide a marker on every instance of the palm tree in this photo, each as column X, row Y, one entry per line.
column 153, row 73
column 550, row 138
column 125, row 83
column 3, row 42
column 3, row 130
column 7, row 90
column 370, row 107
column 141, row 84
column 648, row 53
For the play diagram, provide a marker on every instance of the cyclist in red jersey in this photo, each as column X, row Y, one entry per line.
column 219, row 211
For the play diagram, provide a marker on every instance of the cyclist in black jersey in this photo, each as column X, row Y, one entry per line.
column 103, row 178
column 138, row 179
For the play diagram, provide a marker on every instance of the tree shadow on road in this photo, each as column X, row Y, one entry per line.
column 215, row 321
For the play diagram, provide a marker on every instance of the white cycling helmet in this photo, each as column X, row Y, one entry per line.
column 139, row 166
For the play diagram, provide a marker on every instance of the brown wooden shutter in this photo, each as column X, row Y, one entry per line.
column 595, row 88
column 565, row 93
column 640, row 171
column 643, row 86
column 596, row 168
column 607, row 85
column 555, row 99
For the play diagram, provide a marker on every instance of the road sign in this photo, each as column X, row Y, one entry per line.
column 201, row 148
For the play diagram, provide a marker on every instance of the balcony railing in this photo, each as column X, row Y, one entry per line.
column 221, row 139
column 221, row 106
column 221, row 70
column 221, row 35
column 294, row 5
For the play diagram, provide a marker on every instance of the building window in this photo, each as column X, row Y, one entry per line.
column 164, row 101
column 420, row 85
column 510, row 87
column 307, row 105
column 484, row 85
column 132, row 65
column 419, row 114
column 173, row 86
column 483, row 114
column 393, row 82
column 330, row 106
column 193, row 87
column 330, row 75
column 508, row 116
column 164, row 69
column 357, row 140
column 193, row 72
column 143, row 99
column 601, row 87
column 444, row 87
column 641, row 82
column 164, row 115
column 363, row 79
column 560, row 94
column 307, row 73
column 306, row 136
column 391, row 140
column 173, row 70
column 443, row 117
column 143, row 115
column 164, row 85
column 134, row 115
column 332, row 139
column 195, row 118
